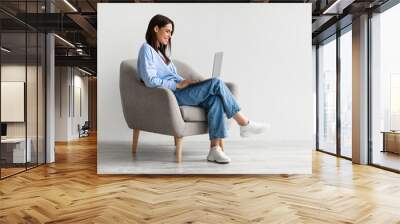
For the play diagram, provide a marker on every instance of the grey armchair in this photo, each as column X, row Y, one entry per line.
column 156, row 109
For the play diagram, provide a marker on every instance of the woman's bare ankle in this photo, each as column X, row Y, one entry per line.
column 214, row 143
column 241, row 119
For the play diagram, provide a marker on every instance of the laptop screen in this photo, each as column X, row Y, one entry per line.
column 217, row 64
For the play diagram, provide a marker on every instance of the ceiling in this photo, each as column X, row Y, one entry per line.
column 76, row 22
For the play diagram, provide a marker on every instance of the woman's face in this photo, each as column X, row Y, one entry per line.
column 164, row 33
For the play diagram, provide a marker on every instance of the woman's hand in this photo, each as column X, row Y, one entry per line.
column 185, row 83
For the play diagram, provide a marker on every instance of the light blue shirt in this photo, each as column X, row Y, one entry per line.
column 153, row 70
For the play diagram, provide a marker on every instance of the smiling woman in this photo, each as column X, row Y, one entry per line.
column 213, row 95
column 160, row 30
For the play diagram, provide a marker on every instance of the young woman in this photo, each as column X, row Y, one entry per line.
column 157, row 70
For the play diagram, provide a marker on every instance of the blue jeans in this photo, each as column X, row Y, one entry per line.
column 215, row 97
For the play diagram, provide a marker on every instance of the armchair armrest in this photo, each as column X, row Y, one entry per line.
column 149, row 109
column 155, row 110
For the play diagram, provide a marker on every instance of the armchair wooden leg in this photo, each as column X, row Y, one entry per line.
column 175, row 139
column 178, row 151
column 135, row 139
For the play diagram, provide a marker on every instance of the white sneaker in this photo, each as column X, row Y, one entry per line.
column 252, row 128
column 217, row 155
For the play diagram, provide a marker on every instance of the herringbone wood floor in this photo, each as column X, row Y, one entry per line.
column 70, row 191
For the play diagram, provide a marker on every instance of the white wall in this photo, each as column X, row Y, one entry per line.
column 61, row 103
column 80, row 82
column 15, row 72
column 267, row 53
column 33, row 127
column 66, row 121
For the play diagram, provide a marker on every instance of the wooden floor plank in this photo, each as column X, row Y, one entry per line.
column 70, row 191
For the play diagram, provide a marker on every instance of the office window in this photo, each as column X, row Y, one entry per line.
column 327, row 96
column 385, row 88
column 346, row 94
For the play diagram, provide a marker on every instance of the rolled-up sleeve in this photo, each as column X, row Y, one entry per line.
column 148, row 72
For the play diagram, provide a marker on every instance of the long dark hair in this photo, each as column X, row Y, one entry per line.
column 151, row 38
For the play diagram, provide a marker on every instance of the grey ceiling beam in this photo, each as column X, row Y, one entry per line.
column 83, row 23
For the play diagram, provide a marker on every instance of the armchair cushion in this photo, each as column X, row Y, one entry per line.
column 193, row 114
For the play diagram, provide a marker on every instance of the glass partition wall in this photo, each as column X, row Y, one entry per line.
column 22, row 87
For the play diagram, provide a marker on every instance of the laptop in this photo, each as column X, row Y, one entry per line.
column 216, row 72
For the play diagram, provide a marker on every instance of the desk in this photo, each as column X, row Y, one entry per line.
column 13, row 150
column 391, row 141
